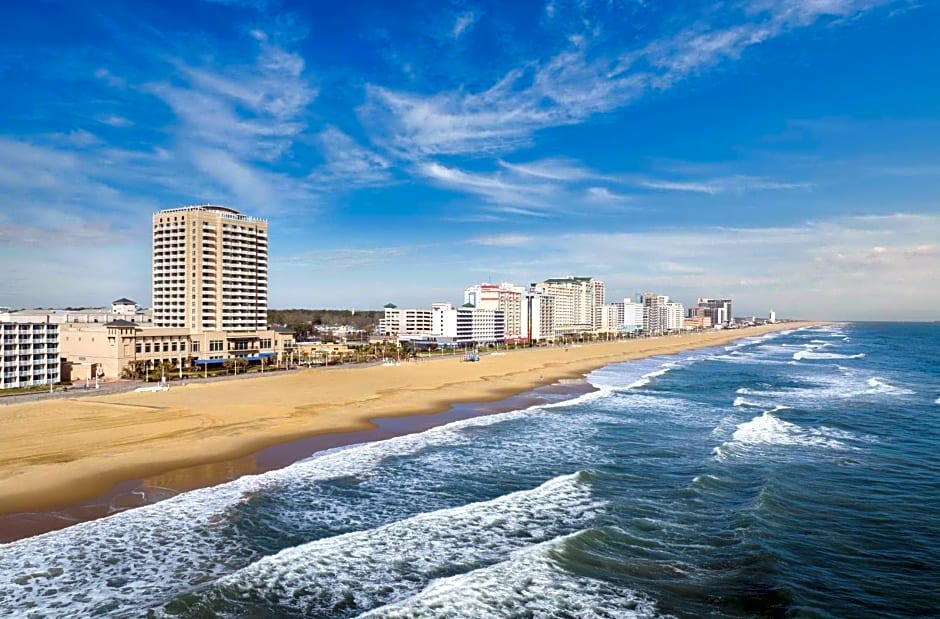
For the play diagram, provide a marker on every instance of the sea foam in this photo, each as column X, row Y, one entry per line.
column 767, row 430
column 367, row 569
column 530, row 584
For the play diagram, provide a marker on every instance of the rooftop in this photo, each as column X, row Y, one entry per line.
column 222, row 211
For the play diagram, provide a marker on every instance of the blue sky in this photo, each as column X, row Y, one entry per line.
column 784, row 153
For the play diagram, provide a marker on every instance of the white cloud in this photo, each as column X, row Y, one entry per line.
column 255, row 112
column 504, row 240
column 348, row 163
column 575, row 84
column 114, row 120
column 463, row 22
column 557, row 169
column 731, row 184
column 509, row 194
column 112, row 80
column 602, row 195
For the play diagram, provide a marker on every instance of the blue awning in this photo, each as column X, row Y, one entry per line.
column 260, row 356
column 208, row 361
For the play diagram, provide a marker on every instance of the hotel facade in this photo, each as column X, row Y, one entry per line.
column 210, row 269
column 210, row 300
column 578, row 303
column 30, row 354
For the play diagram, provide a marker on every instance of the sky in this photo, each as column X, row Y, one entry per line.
column 783, row 153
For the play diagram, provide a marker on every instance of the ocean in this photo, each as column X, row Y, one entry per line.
column 795, row 474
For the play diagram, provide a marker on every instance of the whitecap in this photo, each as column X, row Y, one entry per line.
column 767, row 431
column 386, row 564
column 806, row 354
column 531, row 584
column 878, row 385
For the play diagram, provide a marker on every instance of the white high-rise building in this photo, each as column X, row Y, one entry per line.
column 612, row 317
column 210, row 269
column 468, row 325
column 633, row 317
column 674, row 316
column 655, row 312
column 29, row 355
column 578, row 303
column 505, row 297
column 719, row 310
column 538, row 316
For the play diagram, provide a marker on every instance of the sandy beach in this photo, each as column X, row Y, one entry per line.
column 57, row 452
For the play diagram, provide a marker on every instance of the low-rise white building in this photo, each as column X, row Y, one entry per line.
column 30, row 354
column 121, row 309
column 397, row 322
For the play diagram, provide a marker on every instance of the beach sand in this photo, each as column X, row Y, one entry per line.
column 58, row 452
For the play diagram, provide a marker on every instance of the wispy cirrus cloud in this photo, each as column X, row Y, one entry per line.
column 463, row 23
column 235, row 123
column 348, row 163
column 579, row 82
column 114, row 120
column 503, row 240
column 738, row 184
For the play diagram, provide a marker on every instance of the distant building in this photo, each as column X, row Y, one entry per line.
column 468, row 325
column 210, row 269
column 772, row 317
column 674, row 315
column 504, row 297
column 124, row 307
column 654, row 312
column 30, row 353
column 578, row 303
column 398, row 322
column 719, row 310
column 85, row 315
column 634, row 317
column 539, row 316
column 612, row 317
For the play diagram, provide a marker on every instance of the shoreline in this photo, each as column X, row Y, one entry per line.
column 138, row 492
column 57, row 456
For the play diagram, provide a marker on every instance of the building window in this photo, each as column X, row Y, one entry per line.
column 137, row 347
column 147, row 347
column 173, row 346
column 195, row 347
column 216, row 345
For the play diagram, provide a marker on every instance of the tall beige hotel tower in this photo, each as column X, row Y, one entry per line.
column 210, row 269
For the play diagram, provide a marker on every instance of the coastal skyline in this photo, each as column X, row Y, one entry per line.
column 770, row 152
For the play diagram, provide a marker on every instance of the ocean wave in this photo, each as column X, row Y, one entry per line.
column 138, row 557
column 530, row 584
column 878, row 385
column 367, row 569
column 742, row 402
column 767, row 429
column 808, row 354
